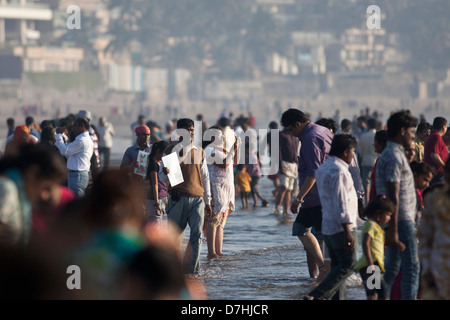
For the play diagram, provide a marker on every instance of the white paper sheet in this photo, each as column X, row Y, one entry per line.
column 175, row 175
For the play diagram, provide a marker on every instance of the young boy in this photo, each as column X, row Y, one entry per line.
column 243, row 180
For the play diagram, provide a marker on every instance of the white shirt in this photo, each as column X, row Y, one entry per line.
column 78, row 153
column 204, row 176
column 106, row 133
column 337, row 196
column 366, row 149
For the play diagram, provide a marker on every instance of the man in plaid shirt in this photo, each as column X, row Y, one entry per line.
column 395, row 179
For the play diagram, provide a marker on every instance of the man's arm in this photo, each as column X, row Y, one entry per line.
column 162, row 175
column 205, row 180
column 437, row 160
column 68, row 149
column 127, row 162
column 393, row 191
column 309, row 183
column 342, row 184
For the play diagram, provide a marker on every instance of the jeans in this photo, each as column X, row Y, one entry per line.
column 342, row 261
column 408, row 260
column 366, row 172
column 189, row 210
column 105, row 154
column 150, row 210
column 78, row 182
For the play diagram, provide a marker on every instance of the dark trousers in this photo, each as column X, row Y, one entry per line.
column 342, row 261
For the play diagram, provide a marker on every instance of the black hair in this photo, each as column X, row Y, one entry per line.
column 340, row 143
column 185, row 123
column 328, row 123
column 29, row 120
column 291, row 116
column 379, row 205
column 206, row 142
column 381, row 137
column 159, row 270
column 241, row 166
column 345, row 123
column 46, row 123
column 423, row 126
column 48, row 135
column 399, row 120
column 421, row 168
column 83, row 122
column 158, row 146
column 223, row 122
column 362, row 118
column 438, row 123
column 372, row 123
column 273, row 125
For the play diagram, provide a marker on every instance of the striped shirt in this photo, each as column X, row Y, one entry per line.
column 394, row 167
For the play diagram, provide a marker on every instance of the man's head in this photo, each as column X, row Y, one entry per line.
column 402, row 127
column 102, row 121
column 186, row 124
column 245, row 124
column 10, row 122
column 273, row 125
column 141, row 120
column 29, row 121
column 142, row 134
column 328, row 123
column 295, row 121
column 362, row 122
column 346, row 125
column 423, row 174
column 372, row 123
column 223, row 122
column 410, row 151
column 380, row 141
column 423, row 131
column 440, row 125
column 343, row 146
column 80, row 126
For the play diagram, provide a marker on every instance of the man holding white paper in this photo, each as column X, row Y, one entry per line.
column 189, row 199
column 130, row 160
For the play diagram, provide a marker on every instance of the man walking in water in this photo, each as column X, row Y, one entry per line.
column 315, row 143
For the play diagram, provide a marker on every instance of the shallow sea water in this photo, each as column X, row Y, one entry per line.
column 262, row 260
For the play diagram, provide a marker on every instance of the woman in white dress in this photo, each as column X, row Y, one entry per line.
column 221, row 176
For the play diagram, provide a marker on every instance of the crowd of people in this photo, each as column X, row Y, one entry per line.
column 61, row 200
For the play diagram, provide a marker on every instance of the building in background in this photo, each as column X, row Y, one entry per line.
column 18, row 19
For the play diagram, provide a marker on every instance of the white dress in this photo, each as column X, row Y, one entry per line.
column 222, row 181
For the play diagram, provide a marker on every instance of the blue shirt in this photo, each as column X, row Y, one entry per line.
column 315, row 146
column 131, row 155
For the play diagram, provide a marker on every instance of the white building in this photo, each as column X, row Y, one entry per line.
column 18, row 19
